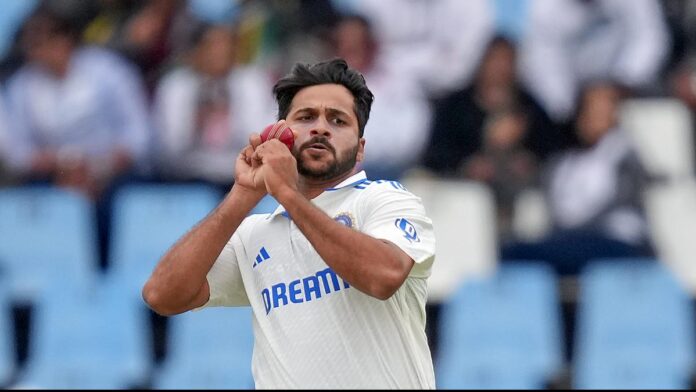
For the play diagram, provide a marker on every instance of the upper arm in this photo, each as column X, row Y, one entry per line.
column 224, row 280
column 396, row 216
column 405, row 261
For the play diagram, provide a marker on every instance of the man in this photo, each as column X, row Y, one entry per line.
column 403, row 120
column 205, row 108
column 336, row 276
column 79, row 115
column 79, row 112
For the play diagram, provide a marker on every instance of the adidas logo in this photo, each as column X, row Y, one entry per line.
column 261, row 257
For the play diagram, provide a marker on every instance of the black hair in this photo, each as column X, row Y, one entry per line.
column 53, row 22
column 335, row 71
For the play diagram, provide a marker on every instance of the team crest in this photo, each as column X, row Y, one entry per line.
column 346, row 219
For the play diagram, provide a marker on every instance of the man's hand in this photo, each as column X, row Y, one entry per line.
column 279, row 168
column 248, row 172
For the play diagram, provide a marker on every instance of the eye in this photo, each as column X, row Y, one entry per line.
column 339, row 121
column 304, row 117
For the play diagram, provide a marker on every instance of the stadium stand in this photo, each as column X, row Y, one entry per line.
column 635, row 327
column 502, row 332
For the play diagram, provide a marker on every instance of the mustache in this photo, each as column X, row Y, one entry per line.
column 318, row 140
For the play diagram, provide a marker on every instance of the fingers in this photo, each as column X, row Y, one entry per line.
column 254, row 140
column 246, row 154
column 273, row 146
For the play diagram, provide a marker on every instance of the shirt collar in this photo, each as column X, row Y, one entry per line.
column 355, row 179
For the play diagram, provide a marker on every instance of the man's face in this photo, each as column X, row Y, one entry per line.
column 327, row 144
column 214, row 55
column 354, row 44
column 41, row 44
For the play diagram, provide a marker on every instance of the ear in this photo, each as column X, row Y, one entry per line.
column 361, row 150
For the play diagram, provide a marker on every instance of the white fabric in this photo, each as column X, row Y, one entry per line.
column 569, row 42
column 399, row 125
column 311, row 329
column 438, row 42
column 251, row 109
column 585, row 183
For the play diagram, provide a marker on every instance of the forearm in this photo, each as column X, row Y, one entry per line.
column 373, row 266
column 179, row 283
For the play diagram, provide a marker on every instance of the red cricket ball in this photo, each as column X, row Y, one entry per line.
column 280, row 131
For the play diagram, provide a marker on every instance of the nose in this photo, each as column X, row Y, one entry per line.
column 321, row 129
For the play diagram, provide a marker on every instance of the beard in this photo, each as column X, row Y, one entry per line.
column 334, row 169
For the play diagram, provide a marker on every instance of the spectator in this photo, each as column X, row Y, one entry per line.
column 79, row 113
column 503, row 163
column 437, row 42
column 206, row 108
column 294, row 31
column 457, row 131
column 400, row 121
column 594, row 193
column 570, row 42
column 142, row 31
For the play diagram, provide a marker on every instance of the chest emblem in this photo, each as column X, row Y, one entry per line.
column 346, row 219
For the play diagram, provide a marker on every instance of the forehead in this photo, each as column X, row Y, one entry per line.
column 333, row 96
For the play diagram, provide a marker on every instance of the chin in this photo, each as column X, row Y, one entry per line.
column 318, row 163
column 317, row 169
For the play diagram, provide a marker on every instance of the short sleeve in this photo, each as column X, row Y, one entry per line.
column 225, row 278
column 391, row 213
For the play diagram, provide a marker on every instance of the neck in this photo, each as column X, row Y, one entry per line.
column 311, row 188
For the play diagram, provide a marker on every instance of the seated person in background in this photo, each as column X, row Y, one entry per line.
column 503, row 163
column 594, row 193
column 79, row 113
column 457, row 130
column 400, row 121
column 205, row 109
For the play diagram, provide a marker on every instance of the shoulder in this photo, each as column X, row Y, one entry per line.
column 250, row 76
column 383, row 191
column 376, row 187
column 179, row 78
column 459, row 97
column 252, row 221
column 25, row 75
column 106, row 62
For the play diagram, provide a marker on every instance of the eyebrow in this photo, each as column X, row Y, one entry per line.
column 333, row 111
column 337, row 111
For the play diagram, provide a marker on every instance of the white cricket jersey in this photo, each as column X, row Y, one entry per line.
column 311, row 328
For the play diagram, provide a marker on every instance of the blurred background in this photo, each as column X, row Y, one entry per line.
column 551, row 141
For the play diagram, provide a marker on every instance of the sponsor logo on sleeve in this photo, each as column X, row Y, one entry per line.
column 408, row 229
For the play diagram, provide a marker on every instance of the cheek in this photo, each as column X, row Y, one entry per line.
column 300, row 126
column 302, row 132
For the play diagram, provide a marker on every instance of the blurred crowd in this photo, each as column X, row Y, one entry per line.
column 515, row 94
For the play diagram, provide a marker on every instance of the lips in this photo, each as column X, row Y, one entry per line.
column 318, row 146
